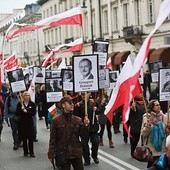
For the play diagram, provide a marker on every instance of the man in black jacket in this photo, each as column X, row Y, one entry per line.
column 93, row 129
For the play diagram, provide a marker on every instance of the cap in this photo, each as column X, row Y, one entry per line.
column 66, row 98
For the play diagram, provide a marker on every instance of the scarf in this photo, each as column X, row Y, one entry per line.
column 157, row 136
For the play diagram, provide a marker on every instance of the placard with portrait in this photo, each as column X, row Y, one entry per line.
column 67, row 79
column 85, row 73
column 164, row 84
column 53, row 88
column 154, row 69
column 101, row 48
column 39, row 74
column 104, row 78
column 16, row 80
column 113, row 76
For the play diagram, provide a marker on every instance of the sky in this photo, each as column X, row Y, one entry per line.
column 7, row 6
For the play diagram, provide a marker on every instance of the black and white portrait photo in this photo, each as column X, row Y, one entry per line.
column 164, row 84
column 85, row 71
column 113, row 75
column 104, row 78
column 67, row 79
column 16, row 80
column 39, row 74
column 48, row 74
column 154, row 69
column 53, row 89
column 101, row 48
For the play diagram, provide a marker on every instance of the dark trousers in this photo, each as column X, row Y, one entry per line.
column 1, row 125
column 109, row 133
column 14, row 129
column 116, row 121
column 125, row 135
column 28, row 146
column 76, row 163
column 134, row 141
column 145, row 88
column 94, row 139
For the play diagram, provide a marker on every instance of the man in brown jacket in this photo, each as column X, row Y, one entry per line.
column 64, row 145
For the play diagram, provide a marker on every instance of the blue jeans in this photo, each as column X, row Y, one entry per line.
column 14, row 130
column 94, row 139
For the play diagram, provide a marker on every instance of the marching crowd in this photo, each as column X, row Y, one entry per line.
column 80, row 119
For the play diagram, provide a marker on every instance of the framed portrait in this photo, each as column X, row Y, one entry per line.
column 104, row 78
column 48, row 74
column 101, row 48
column 154, row 69
column 85, row 73
column 113, row 75
column 53, row 89
column 164, row 84
column 67, row 79
column 16, row 80
column 39, row 74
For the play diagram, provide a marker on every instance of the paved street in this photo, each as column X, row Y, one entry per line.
column 110, row 159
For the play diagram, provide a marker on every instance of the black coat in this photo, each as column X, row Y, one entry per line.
column 26, row 121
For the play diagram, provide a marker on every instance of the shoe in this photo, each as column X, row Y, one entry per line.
column 40, row 118
column 111, row 144
column 15, row 147
column 86, row 163
column 20, row 145
column 35, row 140
column 96, row 160
column 125, row 140
column 25, row 155
column 101, row 142
column 32, row 155
column 118, row 131
column 48, row 127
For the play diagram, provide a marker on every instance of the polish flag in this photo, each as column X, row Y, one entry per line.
column 109, row 64
column 31, row 90
column 62, row 64
column 53, row 110
column 126, row 85
column 48, row 59
column 11, row 63
column 70, row 17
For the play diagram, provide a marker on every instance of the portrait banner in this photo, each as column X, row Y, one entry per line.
column 104, row 78
column 39, row 74
column 101, row 48
column 85, row 73
column 53, row 88
column 16, row 80
column 67, row 79
column 164, row 84
column 113, row 75
column 154, row 69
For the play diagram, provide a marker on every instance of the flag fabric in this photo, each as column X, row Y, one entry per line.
column 127, row 84
column 53, row 110
column 11, row 63
column 31, row 90
column 70, row 17
column 109, row 64
column 1, row 60
column 62, row 64
column 76, row 45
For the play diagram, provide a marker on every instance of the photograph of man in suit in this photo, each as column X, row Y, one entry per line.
column 39, row 72
column 85, row 66
column 52, row 86
column 15, row 76
column 68, row 76
column 166, row 86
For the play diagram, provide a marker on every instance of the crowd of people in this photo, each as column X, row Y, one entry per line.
column 80, row 119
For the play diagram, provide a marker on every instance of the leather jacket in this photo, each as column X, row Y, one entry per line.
column 65, row 131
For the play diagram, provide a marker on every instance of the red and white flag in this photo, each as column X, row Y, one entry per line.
column 128, row 83
column 53, row 110
column 31, row 90
column 109, row 64
column 70, row 17
column 48, row 59
column 11, row 63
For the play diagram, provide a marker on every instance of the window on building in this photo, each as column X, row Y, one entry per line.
column 137, row 12
column 86, row 28
column 151, row 11
column 125, row 14
column 47, row 13
column 52, row 37
column 115, row 18
column 105, row 21
column 94, row 22
column 55, row 9
column 51, row 11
